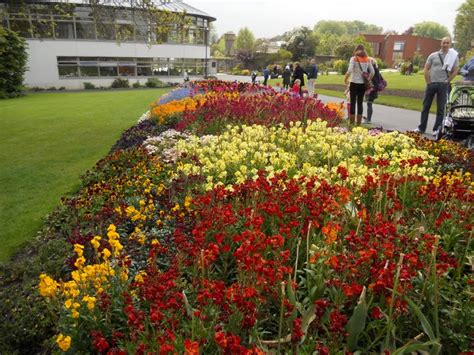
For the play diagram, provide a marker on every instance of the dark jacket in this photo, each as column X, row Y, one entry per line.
column 313, row 71
column 286, row 76
column 298, row 74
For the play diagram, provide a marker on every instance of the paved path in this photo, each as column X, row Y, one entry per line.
column 390, row 118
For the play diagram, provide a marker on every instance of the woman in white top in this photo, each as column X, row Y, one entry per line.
column 358, row 65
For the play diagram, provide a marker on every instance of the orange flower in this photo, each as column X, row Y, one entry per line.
column 330, row 231
column 191, row 347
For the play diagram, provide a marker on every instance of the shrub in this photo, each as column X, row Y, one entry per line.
column 51, row 88
column 36, row 88
column 27, row 322
column 13, row 59
column 62, row 88
column 245, row 72
column 380, row 63
column 120, row 83
column 341, row 66
column 88, row 86
column 416, row 69
column 154, row 83
column 136, row 85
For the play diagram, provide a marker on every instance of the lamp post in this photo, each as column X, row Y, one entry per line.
column 206, row 31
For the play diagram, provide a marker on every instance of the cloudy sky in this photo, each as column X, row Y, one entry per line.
column 267, row 18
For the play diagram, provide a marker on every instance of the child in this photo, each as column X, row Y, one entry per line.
column 348, row 99
column 295, row 89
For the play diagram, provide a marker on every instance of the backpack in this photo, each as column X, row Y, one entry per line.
column 382, row 83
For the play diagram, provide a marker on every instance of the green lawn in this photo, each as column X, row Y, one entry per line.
column 46, row 142
column 395, row 81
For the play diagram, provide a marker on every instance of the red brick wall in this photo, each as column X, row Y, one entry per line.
column 424, row 46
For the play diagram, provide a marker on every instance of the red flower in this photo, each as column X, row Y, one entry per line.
column 297, row 332
column 376, row 313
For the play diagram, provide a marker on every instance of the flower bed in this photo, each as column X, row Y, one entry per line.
column 280, row 232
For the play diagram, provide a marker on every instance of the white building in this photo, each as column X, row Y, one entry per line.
column 68, row 50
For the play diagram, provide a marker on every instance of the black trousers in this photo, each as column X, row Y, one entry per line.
column 357, row 92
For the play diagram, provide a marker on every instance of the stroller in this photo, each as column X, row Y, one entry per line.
column 458, row 123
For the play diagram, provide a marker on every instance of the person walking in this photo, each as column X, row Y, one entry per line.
column 286, row 75
column 299, row 73
column 266, row 75
column 372, row 94
column 467, row 71
column 312, row 76
column 440, row 69
column 360, row 69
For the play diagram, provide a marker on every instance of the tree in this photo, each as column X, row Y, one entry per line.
column 463, row 27
column 302, row 43
column 13, row 58
column 336, row 28
column 340, row 28
column 430, row 29
column 218, row 48
column 408, row 31
column 346, row 46
column 327, row 43
column 245, row 47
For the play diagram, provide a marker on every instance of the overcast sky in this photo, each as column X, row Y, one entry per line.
column 268, row 18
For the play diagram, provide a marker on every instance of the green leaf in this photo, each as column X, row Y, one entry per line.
column 425, row 324
column 412, row 347
column 356, row 324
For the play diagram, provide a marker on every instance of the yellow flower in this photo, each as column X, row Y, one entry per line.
column 47, row 286
column 68, row 303
column 90, row 302
column 96, row 242
column 64, row 342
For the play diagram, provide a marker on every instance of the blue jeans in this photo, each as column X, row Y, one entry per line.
column 441, row 92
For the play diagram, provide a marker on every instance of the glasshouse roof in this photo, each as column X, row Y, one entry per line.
column 170, row 5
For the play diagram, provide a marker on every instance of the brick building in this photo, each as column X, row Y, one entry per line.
column 393, row 49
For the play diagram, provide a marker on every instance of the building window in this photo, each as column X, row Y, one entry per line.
column 398, row 46
column 85, row 30
column 88, row 66
column 375, row 48
column 67, row 67
column 106, row 31
column 397, row 57
column 108, row 67
column 42, row 25
column 21, row 26
column 64, row 30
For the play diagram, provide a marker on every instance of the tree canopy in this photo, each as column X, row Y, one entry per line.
column 464, row 26
column 430, row 29
column 345, row 27
column 302, row 43
column 245, row 47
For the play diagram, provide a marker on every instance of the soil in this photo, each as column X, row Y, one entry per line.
column 388, row 92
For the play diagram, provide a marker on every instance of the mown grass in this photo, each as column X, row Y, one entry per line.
column 46, row 142
column 395, row 81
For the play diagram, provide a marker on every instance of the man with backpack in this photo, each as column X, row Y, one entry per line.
column 312, row 76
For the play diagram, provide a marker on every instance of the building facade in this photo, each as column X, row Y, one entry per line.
column 393, row 49
column 68, row 50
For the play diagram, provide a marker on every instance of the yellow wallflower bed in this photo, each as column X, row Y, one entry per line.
column 240, row 152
